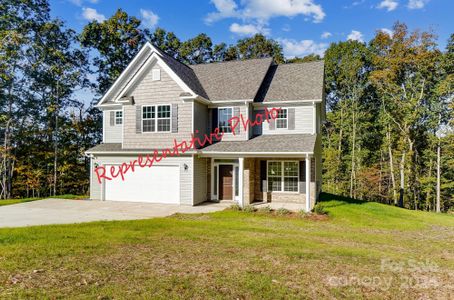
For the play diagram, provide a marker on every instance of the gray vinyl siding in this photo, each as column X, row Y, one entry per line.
column 148, row 92
column 186, row 191
column 112, row 134
column 200, row 120
column 304, row 121
column 200, row 180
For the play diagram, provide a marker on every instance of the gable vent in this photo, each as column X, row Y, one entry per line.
column 156, row 74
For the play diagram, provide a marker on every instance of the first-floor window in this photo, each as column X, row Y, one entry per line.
column 224, row 115
column 290, row 176
column 156, row 118
column 274, row 176
column 283, row 176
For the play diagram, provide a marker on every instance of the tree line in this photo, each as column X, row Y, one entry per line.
column 387, row 135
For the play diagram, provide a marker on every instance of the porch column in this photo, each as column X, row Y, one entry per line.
column 241, row 181
column 308, row 183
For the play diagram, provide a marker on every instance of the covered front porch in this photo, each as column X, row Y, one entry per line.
column 252, row 180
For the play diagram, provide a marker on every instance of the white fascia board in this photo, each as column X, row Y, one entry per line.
column 228, row 102
column 109, row 105
column 197, row 98
column 254, row 154
column 287, row 102
column 136, row 58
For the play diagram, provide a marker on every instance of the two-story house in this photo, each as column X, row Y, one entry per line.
column 158, row 100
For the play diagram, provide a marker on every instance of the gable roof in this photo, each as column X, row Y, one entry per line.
column 232, row 80
column 184, row 72
column 296, row 81
column 254, row 79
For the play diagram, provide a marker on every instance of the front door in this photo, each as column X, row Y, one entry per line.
column 225, row 182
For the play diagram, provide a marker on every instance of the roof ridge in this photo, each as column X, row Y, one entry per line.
column 302, row 63
column 171, row 57
column 229, row 61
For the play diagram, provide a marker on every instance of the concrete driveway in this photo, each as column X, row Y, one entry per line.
column 61, row 211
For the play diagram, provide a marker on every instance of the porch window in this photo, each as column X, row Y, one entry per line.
column 224, row 114
column 274, row 176
column 290, row 176
column 283, row 176
column 281, row 120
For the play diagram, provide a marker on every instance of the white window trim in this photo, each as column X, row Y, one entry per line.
column 115, row 117
column 219, row 111
column 282, row 176
column 286, row 118
column 156, row 119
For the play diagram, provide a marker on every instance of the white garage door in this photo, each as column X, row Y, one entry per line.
column 158, row 184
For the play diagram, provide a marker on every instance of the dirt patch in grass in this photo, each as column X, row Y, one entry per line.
column 181, row 216
column 229, row 254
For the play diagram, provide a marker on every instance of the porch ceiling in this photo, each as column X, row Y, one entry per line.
column 272, row 143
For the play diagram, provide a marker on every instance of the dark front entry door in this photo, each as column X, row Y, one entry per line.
column 225, row 182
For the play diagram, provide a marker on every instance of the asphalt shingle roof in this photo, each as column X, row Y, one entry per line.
column 297, row 81
column 267, row 143
column 260, row 144
column 232, row 80
column 185, row 73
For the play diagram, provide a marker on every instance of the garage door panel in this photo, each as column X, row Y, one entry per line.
column 158, row 184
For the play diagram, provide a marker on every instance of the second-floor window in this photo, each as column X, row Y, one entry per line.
column 224, row 114
column 156, row 118
column 118, row 117
column 281, row 120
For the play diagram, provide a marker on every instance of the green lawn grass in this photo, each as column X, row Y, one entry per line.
column 363, row 250
column 23, row 200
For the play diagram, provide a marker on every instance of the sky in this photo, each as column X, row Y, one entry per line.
column 301, row 26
